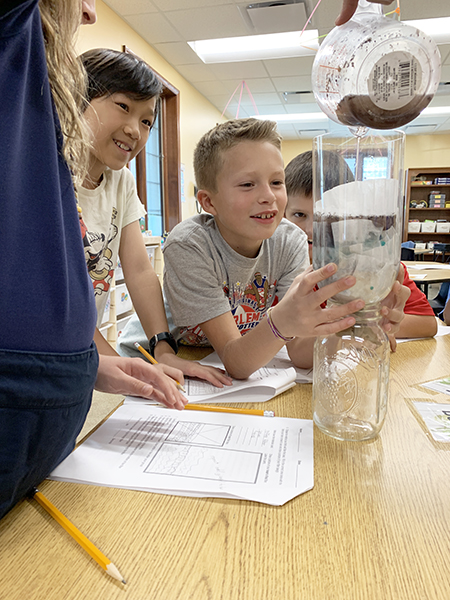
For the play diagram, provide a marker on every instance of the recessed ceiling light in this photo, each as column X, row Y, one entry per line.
column 257, row 47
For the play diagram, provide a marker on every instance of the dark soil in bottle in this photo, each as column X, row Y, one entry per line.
column 357, row 111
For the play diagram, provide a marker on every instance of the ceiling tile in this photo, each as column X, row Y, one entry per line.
column 169, row 5
column 196, row 73
column 208, row 22
column 256, row 86
column 178, row 53
column 240, row 70
column 444, row 50
column 292, row 84
column 154, row 28
column 288, row 67
column 132, row 7
column 211, row 87
column 286, row 130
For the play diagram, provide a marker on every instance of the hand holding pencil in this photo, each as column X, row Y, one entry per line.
column 134, row 377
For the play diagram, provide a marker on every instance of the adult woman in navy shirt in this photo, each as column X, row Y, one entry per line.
column 48, row 362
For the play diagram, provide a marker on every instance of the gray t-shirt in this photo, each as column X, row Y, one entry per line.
column 205, row 278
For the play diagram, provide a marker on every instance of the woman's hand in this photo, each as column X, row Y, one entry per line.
column 135, row 377
column 349, row 8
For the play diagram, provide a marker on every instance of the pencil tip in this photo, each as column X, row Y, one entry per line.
column 123, row 581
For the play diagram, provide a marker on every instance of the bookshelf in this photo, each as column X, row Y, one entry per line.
column 417, row 192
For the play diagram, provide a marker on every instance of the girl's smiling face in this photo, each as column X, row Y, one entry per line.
column 119, row 127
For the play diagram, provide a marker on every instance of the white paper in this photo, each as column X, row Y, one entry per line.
column 281, row 361
column 437, row 419
column 201, row 454
column 439, row 385
column 425, row 266
column 261, row 386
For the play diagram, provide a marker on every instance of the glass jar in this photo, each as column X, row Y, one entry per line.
column 375, row 71
column 350, row 380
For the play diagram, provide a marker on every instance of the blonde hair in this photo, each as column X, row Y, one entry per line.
column 208, row 153
column 60, row 22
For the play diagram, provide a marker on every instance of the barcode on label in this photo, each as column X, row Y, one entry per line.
column 405, row 78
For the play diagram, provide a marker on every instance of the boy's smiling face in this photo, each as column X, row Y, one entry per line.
column 119, row 127
column 299, row 210
column 250, row 195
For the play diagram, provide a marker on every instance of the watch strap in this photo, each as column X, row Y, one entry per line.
column 165, row 336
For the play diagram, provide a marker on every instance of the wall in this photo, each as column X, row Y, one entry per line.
column 197, row 115
column 420, row 150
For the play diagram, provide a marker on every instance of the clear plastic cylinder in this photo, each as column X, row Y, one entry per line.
column 358, row 206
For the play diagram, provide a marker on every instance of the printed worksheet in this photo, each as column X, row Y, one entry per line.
column 264, row 384
column 201, row 454
column 438, row 385
column 437, row 419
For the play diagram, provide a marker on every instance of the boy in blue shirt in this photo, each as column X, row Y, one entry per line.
column 242, row 268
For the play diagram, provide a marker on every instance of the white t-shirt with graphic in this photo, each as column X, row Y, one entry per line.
column 109, row 208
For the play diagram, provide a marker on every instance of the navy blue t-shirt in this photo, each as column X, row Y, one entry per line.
column 46, row 296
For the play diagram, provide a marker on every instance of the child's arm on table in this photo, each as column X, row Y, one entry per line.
column 297, row 314
column 145, row 290
column 417, row 326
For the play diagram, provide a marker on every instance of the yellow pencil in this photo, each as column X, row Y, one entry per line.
column 87, row 545
column 149, row 357
column 224, row 409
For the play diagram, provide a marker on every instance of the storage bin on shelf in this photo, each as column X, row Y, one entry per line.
column 428, row 227
column 413, row 226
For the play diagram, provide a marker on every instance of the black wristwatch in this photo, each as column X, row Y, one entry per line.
column 165, row 336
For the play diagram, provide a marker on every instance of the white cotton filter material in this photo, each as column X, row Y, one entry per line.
column 357, row 226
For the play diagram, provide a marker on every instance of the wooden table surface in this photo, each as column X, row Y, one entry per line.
column 375, row 525
column 432, row 275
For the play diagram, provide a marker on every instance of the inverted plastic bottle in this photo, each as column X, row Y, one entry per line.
column 375, row 71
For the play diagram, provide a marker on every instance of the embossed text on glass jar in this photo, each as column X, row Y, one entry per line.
column 350, row 381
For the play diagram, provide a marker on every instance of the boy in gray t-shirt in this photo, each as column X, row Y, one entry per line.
column 242, row 268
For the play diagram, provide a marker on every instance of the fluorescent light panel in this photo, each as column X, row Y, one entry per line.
column 291, row 43
column 257, row 47
column 438, row 29
column 435, row 111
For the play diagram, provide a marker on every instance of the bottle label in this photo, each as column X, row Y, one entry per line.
column 395, row 80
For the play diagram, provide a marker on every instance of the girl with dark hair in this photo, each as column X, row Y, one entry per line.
column 123, row 94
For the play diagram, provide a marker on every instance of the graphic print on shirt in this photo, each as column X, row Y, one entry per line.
column 98, row 255
column 252, row 303
column 248, row 304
